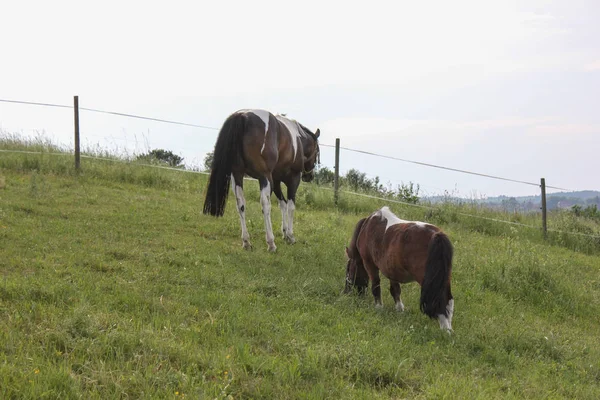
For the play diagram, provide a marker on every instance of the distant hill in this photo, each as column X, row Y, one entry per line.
column 562, row 200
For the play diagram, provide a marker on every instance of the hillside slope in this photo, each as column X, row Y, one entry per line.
column 113, row 284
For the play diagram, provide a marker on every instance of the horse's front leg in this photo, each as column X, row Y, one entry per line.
column 373, row 273
column 237, row 185
column 265, row 201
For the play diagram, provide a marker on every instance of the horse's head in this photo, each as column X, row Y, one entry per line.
column 356, row 275
column 311, row 156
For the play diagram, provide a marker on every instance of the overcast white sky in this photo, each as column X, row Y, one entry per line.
column 508, row 88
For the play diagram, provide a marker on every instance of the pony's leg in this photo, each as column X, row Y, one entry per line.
column 265, row 201
column 373, row 273
column 446, row 321
column 395, row 292
column 376, row 288
column 237, row 185
column 292, row 188
column 283, row 206
column 450, row 308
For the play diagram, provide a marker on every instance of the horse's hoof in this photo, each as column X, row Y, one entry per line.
column 271, row 247
column 247, row 246
column 378, row 306
column 290, row 239
column 400, row 307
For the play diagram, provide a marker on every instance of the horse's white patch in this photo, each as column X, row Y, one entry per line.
column 264, row 116
column 293, row 128
column 241, row 206
column 450, row 308
column 444, row 323
column 400, row 306
column 265, row 201
column 386, row 214
column 392, row 219
column 284, row 224
column 290, row 217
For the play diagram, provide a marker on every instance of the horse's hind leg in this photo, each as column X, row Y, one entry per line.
column 265, row 201
column 292, row 188
column 283, row 206
column 395, row 292
column 237, row 185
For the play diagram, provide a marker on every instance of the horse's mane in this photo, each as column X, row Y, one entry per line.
column 308, row 131
column 305, row 129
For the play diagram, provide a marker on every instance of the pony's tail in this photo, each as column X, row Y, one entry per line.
column 435, row 290
column 227, row 150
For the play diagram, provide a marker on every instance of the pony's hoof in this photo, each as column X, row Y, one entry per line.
column 400, row 307
column 378, row 306
column 271, row 247
column 246, row 245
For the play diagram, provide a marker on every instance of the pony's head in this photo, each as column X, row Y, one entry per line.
column 356, row 275
column 311, row 155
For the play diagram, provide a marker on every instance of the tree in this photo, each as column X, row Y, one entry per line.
column 208, row 160
column 160, row 156
column 324, row 176
column 358, row 180
column 408, row 193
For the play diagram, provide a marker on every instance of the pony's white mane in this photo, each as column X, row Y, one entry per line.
column 386, row 214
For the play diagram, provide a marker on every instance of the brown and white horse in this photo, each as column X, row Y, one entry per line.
column 270, row 148
column 404, row 251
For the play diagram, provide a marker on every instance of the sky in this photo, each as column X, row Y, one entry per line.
column 504, row 88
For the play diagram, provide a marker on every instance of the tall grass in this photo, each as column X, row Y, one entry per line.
column 566, row 229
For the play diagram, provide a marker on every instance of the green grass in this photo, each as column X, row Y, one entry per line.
column 114, row 285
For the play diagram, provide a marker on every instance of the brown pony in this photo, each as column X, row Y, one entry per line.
column 403, row 251
column 271, row 148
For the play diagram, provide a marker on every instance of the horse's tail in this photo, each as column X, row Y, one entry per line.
column 435, row 290
column 228, row 150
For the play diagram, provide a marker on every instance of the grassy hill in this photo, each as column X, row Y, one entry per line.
column 114, row 285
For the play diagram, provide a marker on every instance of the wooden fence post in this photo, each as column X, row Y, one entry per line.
column 336, row 177
column 77, row 150
column 544, row 210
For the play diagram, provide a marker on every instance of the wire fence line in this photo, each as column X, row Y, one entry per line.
column 33, row 103
column 445, row 168
column 434, row 208
column 422, row 206
column 109, row 112
column 321, row 144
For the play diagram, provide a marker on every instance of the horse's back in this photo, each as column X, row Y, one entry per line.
column 269, row 142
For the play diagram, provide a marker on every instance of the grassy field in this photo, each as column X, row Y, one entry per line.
column 114, row 285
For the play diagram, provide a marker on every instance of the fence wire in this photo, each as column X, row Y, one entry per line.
column 321, row 144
